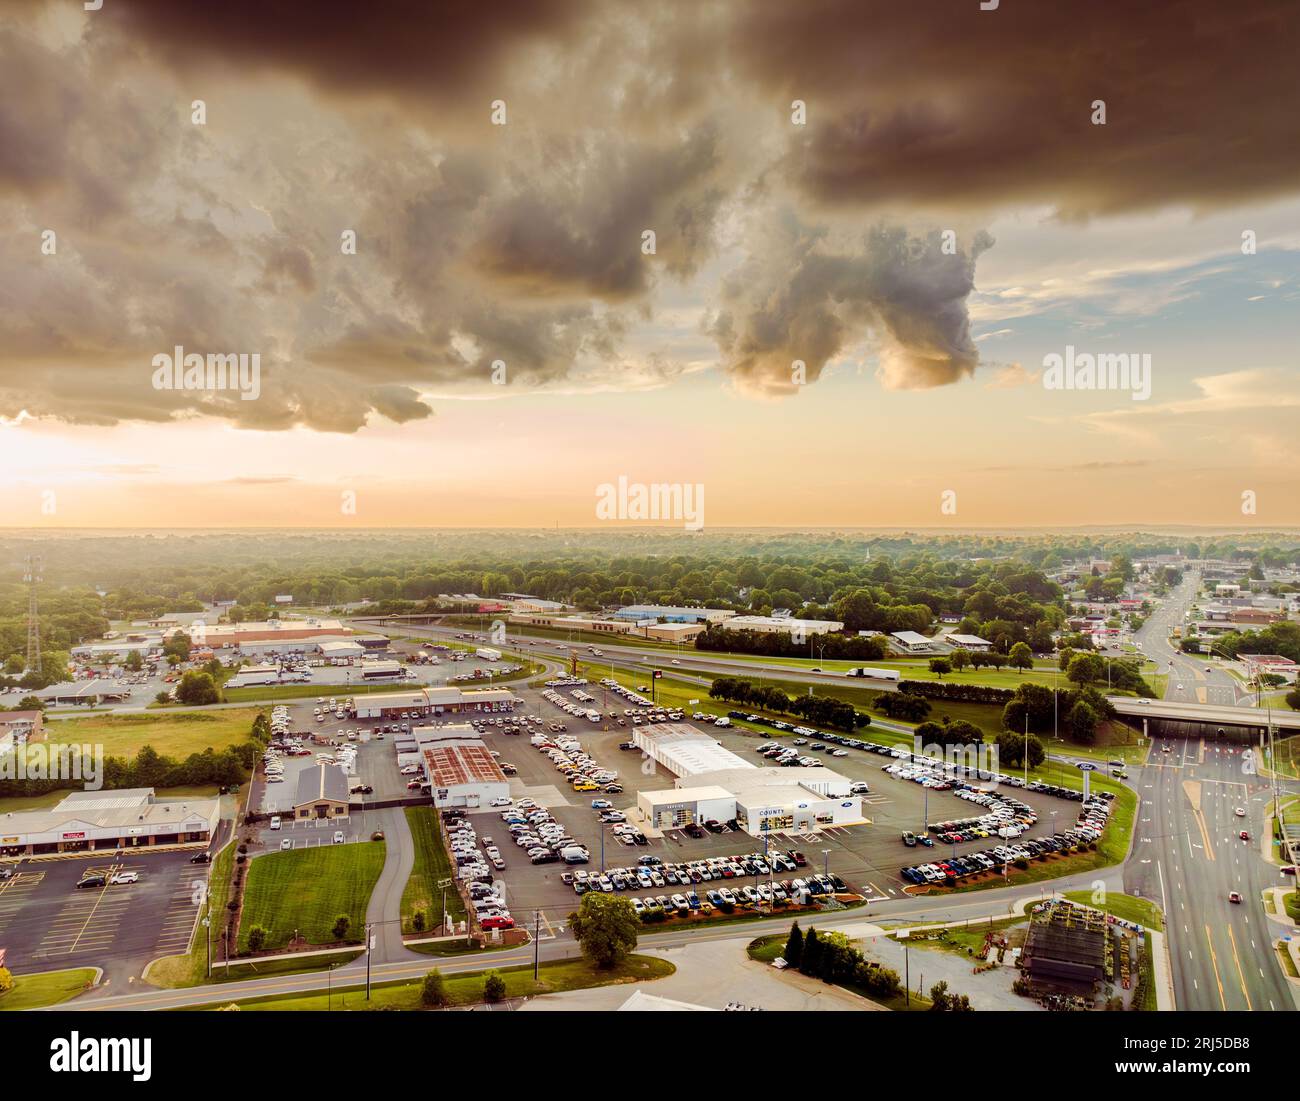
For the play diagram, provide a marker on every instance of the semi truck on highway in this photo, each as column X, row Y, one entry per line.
column 487, row 654
column 878, row 674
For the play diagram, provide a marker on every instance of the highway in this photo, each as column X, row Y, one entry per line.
column 1187, row 855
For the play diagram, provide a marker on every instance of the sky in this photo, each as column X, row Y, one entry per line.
column 873, row 227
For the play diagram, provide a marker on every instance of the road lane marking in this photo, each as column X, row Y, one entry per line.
column 1215, row 964
column 1240, row 974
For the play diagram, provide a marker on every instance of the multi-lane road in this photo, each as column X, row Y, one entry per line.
column 1187, row 853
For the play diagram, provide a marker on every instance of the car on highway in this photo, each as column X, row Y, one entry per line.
column 1240, row 812
column 1244, row 835
column 1234, row 896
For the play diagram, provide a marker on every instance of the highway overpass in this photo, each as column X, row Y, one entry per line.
column 1200, row 719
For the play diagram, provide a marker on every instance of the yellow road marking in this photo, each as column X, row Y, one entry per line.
column 1215, row 964
column 1237, row 960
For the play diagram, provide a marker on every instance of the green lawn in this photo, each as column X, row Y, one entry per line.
column 431, row 865
column 46, row 988
column 467, row 989
column 1124, row 907
column 174, row 734
column 307, row 889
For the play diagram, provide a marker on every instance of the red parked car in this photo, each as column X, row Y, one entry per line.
column 499, row 923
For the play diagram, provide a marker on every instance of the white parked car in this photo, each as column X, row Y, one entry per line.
column 124, row 877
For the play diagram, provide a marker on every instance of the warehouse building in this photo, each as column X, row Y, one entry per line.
column 339, row 651
column 782, row 625
column 91, row 821
column 322, row 793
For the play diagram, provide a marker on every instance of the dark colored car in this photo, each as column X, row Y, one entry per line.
column 201, row 858
column 92, row 881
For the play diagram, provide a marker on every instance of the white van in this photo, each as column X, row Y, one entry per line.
column 275, row 822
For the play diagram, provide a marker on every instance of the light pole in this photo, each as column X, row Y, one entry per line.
column 207, row 930
column 826, row 862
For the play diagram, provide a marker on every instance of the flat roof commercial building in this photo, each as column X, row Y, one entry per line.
column 554, row 622
column 90, row 821
column 460, row 769
column 910, row 641
column 274, row 630
column 715, row 784
column 422, row 702
column 685, row 751
column 782, row 625
column 973, row 643
column 670, row 632
column 666, row 613
column 322, row 793
column 340, row 650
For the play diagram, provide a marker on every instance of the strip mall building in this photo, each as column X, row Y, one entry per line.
column 422, row 702
column 89, row 821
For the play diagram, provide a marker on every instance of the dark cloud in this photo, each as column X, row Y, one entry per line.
column 408, row 47
column 803, row 296
column 944, row 104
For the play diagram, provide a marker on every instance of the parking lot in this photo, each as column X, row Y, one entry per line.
column 47, row 923
column 868, row 858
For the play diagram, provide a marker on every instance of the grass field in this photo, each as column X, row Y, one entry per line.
column 46, row 988
column 1124, row 907
column 431, row 865
column 190, row 968
column 175, row 734
column 467, row 989
column 305, row 890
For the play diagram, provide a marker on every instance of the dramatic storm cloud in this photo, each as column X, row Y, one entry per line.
column 524, row 244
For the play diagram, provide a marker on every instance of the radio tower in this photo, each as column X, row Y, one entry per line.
column 32, row 577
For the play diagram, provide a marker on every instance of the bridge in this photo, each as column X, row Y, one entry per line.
column 1207, row 718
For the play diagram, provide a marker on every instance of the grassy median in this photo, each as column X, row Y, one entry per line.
column 431, row 865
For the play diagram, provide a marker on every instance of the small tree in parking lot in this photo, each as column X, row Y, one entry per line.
column 606, row 927
column 434, row 991
column 256, row 938
column 494, row 987
column 342, row 924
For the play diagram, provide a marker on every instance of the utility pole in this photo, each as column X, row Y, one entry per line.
column 537, row 941
column 32, row 577
column 370, row 948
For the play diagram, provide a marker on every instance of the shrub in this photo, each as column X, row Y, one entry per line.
column 494, row 987
column 434, row 991
column 256, row 938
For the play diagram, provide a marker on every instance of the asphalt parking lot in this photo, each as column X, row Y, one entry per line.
column 868, row 858
column 47, row 924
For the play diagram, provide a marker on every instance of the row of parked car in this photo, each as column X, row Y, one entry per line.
column 652, row 871
column 987, row 860
column 774, row 893
column 543, row 840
